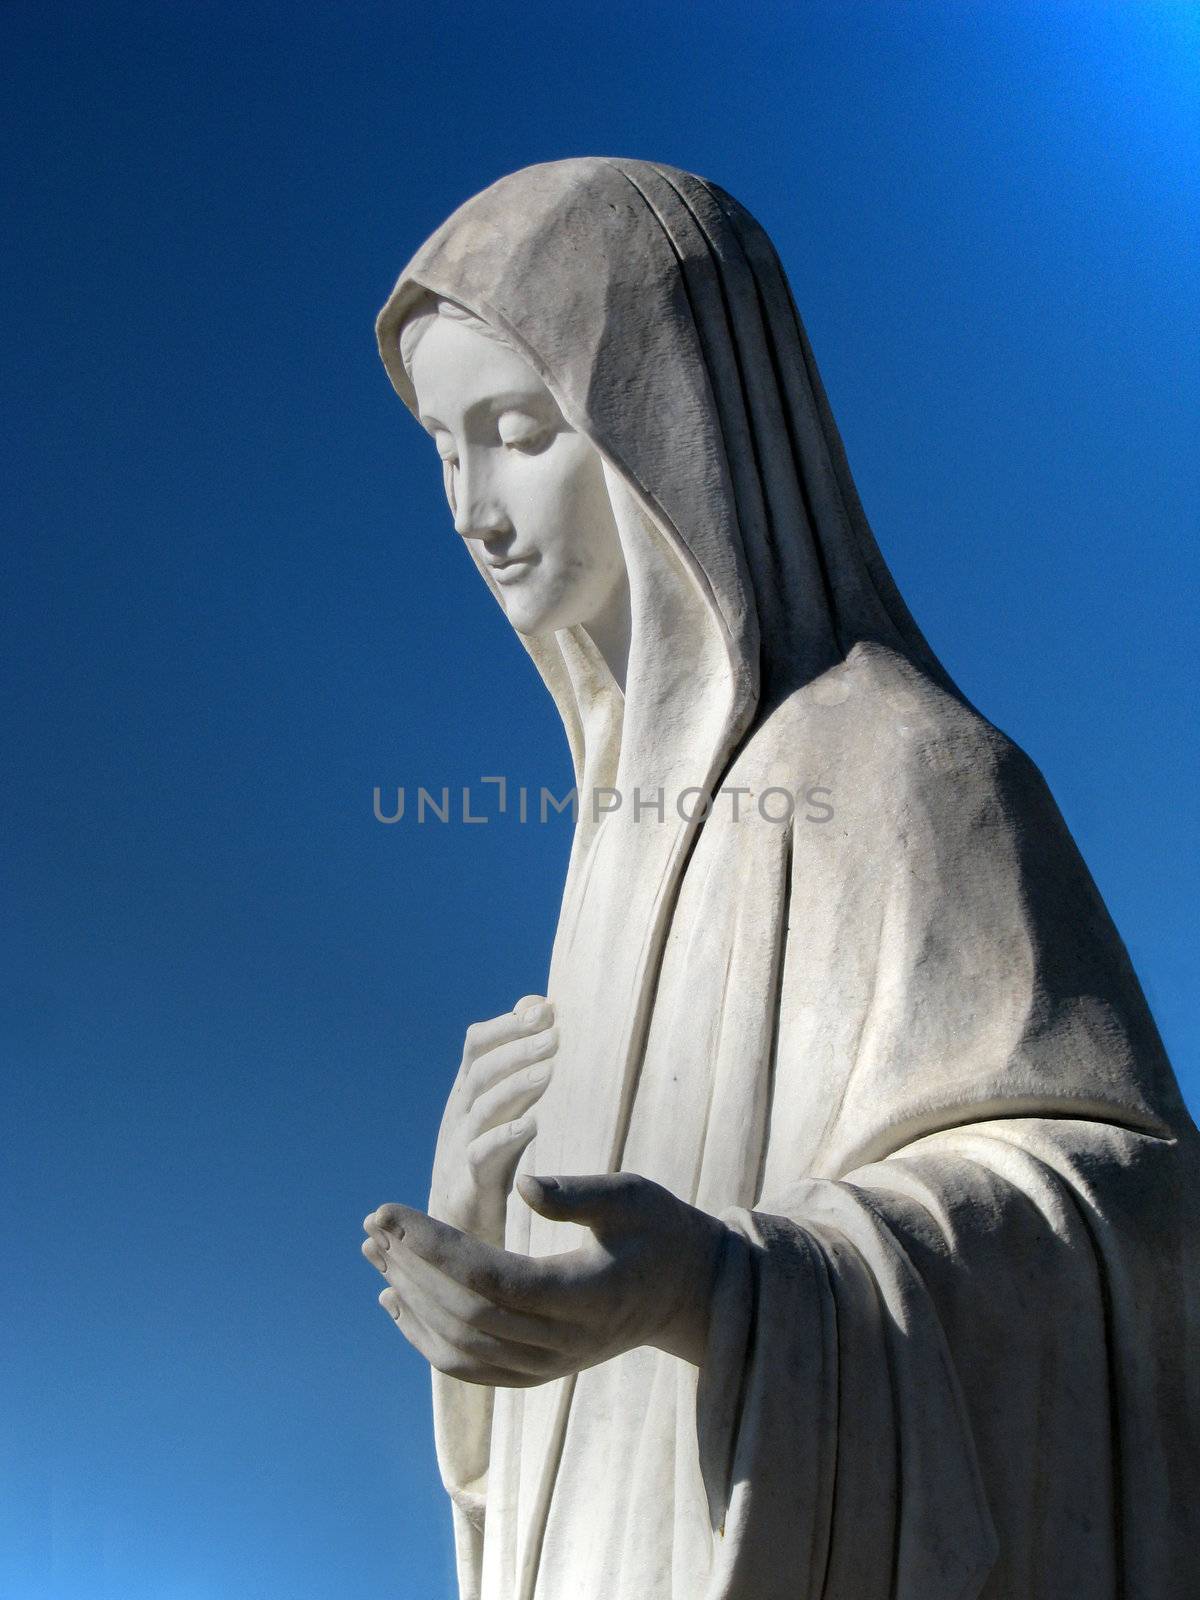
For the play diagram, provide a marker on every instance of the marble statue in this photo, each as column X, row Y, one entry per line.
column 828, row 1229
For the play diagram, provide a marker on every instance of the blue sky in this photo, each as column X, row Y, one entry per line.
column 233, row 1001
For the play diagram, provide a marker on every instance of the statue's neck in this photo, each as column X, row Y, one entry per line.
column 611, row 631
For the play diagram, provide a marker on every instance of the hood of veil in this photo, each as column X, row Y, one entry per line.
column 654, row 308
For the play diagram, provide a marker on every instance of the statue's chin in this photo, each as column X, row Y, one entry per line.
column 529, row 621
column 535, row 629
column 536, row 616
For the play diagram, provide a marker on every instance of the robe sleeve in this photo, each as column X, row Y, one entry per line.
column 953, row 1363
column 945, row 1355
column 833, row 1439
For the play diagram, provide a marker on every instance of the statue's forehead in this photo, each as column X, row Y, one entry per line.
column 457, row 367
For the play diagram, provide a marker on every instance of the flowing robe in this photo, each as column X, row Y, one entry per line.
column 899, row 1049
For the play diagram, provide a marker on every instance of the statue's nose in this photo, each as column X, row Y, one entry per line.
column 480, row 521
column 478, row 513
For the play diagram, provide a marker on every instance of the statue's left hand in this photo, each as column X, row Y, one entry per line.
column 490, row 1316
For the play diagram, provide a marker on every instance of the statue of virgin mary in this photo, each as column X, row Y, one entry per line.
column 828, row 1230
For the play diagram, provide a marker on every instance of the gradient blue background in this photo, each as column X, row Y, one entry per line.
column 234, row 1001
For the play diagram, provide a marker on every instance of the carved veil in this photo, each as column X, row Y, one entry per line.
column 903, row 1053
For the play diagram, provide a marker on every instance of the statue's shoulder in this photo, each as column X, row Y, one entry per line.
column 878, row 712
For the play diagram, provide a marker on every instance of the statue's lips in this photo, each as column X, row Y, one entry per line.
column 506, row 572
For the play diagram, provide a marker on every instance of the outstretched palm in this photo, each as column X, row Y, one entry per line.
column 490, row 1316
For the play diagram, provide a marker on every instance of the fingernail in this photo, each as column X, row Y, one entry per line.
column 548, row 1184
column 538, row 1016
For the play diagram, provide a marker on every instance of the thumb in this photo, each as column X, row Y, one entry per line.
column 609, row 1202
column 527, row 1002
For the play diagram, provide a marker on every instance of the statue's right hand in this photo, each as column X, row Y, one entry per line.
column 490, row 1117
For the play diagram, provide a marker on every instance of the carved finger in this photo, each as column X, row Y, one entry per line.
column 499, row 1351
column 494, row 1154
column 508, row 1100
column 424, row 1286
column 386, row 1222
column 514, row 1056
column 611, row 1204
column 523, row 1283
column 440, row 1354
column 485, row 1036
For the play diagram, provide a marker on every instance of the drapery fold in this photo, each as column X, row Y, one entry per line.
column 849, row 1464
column 898, row 1046
column 1028, row 1324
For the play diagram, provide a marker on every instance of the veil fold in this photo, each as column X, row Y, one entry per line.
column 906, row 1055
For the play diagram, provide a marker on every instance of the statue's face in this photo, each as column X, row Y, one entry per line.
column 519, row 479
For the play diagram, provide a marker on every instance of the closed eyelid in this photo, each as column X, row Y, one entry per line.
column 523, row 423
column 539, row 408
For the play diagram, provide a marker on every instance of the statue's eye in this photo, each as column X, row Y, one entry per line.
column 521, row 432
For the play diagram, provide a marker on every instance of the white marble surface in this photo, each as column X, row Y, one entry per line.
column 867, row 1267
